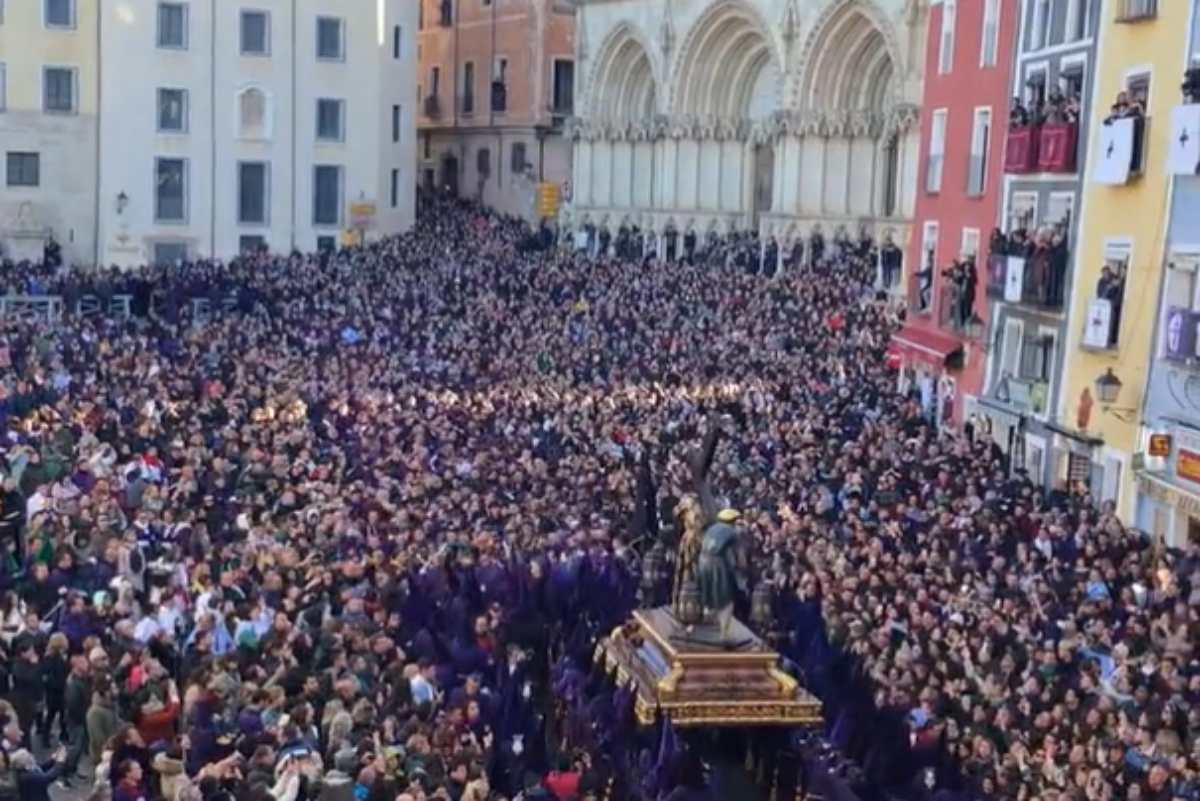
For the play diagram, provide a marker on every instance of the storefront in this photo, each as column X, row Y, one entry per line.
column 1168, row 486
column 927, row 362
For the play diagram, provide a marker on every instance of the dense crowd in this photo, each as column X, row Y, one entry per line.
column 356, row 536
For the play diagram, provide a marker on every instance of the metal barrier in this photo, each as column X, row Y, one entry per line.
column 47, row 307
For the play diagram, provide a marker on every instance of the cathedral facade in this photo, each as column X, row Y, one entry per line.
column 781, row 116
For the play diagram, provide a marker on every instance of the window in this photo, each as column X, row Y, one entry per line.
column 327, row 195
column 330, row 42
column 1035, row 87
column 172, row 25
column 256, row 33
column 421, row 14
column 500, row 85
column 1077, row 19
column 1010, row 356
column 447, row 15
column 396, row 123
column 1, row 12
column 3, row 86
column 981, row 133
column 1060, row 209
column 483, row 162
column 58, row 86
column 991, row 33
column 435, row 80
column 518, row 158
column 1040, row 29
column 427, row 146
column 254, row 117
column 468, row 92
column 172, row 110
column 1070, row 78
column 397, row 37
column 564, row 86
column 170, row 252
column 1111, row 488
column 329, row 119
column 170, row 190
column 252, row 243
column 1138, row 87
column 1103, row 323
column 1037, row 356
column 24, row 169
column 946, row 42
column 253, row 188
column 1134, row 10
column 1022, row 211
column 326, row 244
column 970, row 242
column 937, row 150
column 395, row 187
column 924, row 286
column 60, row 13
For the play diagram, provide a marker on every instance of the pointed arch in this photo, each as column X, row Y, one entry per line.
column 624, row 81
column 728, row 64
column 850, row 59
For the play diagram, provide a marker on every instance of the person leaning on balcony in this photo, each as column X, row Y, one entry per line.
column 1058, row 268
column 1111, row 287
column 1018, row 117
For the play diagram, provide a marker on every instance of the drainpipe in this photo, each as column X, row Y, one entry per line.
column 292, row 231
column 96, row 244
column 212, row 133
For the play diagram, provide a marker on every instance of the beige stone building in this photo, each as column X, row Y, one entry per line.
column 496, row 86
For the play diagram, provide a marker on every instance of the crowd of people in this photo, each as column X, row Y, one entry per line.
column 355, row 536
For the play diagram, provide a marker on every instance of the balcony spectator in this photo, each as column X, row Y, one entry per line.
column 1111, row 287
column 1018, row 115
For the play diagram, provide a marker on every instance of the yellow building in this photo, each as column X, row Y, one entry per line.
column 49, row 85
column 1141, row 58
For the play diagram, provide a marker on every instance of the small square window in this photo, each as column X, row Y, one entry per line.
column 3, row 84
column 172, row 26
column 518, row 158
column 60, row 13
column 172, row 110
column 395, row 193
column 24, row 169
column 58, row 90
column 396, row 118
column 256, row 33
column 397, row 36
column 329, row 39
column 330, row 127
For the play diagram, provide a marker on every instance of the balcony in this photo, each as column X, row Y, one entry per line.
column 950, row 311
column 920, row 294
column 1021, row 150
column 433, row 108
column 1044, row 277
column 1136, row 10
column 1057, row 145
column 499, row 97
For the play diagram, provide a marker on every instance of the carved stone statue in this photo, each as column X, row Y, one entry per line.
column 714, row 559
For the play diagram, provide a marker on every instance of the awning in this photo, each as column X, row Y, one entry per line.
column 925, row 346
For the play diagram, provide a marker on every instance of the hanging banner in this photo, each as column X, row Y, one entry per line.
column 1115, row 155
column 1184, row 156
column 1014, row 280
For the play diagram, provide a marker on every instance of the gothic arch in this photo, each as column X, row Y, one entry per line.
column 624, row 82
column 850, row 59
column 726, row 63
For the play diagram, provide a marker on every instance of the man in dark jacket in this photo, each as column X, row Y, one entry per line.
column 76, row 699
column 27, row 688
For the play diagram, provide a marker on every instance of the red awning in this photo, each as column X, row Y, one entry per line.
column 923, row 345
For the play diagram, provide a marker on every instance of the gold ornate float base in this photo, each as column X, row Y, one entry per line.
column 695, row 682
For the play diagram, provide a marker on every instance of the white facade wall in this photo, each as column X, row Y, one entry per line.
column 368, row 80
column 685, row 105
column 63, row 203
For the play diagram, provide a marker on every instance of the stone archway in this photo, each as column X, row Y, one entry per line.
column 624, row 84
column 728, row 65
column 850, row 60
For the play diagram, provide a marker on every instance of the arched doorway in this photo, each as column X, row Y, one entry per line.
column 450, row 174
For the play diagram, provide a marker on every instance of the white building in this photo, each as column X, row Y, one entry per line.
column 222, row 124
column 228, row 124
column 48, row 114
column 776, row 115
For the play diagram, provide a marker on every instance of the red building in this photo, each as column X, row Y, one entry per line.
column 964, row 114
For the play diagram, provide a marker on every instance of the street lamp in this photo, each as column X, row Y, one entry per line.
column 1108, row 387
